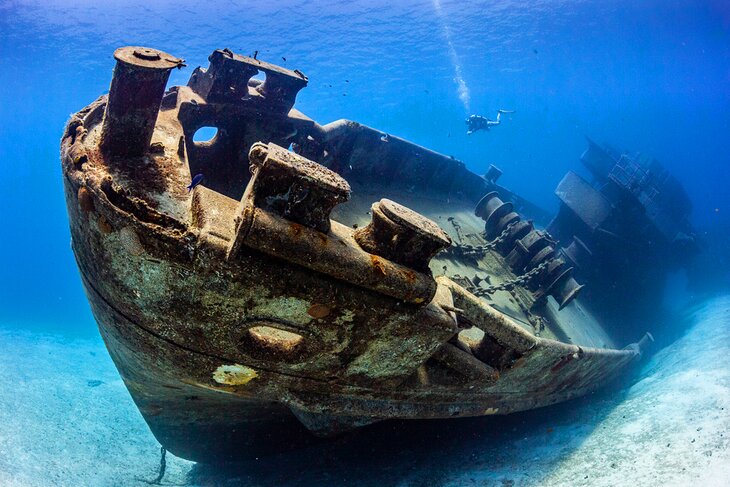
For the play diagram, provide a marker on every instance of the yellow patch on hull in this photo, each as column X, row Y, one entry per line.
column 234, row 375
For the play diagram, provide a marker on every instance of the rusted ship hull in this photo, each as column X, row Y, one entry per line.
column 241, row 312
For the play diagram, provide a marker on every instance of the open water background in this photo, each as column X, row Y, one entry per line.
column 645, row 76
column 650, row 76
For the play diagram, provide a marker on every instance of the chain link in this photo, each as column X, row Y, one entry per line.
column 537, row 321
column 465, row 250
column 521, row 281
column 480, row 250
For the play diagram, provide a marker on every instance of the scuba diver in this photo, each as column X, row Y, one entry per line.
column 477, row 122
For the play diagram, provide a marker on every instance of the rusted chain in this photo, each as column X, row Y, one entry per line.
column 521, row 281
column 465, row 250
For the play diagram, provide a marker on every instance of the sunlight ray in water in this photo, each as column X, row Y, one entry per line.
column 462, row 89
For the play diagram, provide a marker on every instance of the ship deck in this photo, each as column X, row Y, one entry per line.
column 574, row 324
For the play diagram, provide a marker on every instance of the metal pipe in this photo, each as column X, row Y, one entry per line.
column 138, row 84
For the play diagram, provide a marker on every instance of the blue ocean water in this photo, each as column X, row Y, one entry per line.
column 649, row 76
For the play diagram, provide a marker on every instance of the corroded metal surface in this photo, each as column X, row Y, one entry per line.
column 401, row 235
column 134, row 99
column 244, row 309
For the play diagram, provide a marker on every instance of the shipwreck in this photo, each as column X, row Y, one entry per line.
column 322, row 278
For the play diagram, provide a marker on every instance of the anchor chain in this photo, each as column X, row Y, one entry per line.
column 465, row 250
column 537, row 321
column 521, row 281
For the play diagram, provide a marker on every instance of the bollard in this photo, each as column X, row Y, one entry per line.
column 578, row 254
column 557, row 281
column 518, row 231
column 543, row 255
column 401, row 235
column 492, row 210
column 566, row 291
column 294, row 187
column 526, row 248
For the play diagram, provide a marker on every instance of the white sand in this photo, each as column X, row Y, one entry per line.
column 672, row 427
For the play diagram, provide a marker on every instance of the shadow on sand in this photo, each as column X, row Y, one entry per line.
column 428, row 452
column 518, row 449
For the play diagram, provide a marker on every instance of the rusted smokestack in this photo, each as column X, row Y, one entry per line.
column 138, row 84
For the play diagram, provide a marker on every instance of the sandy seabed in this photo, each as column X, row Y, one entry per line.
column 67, row 419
